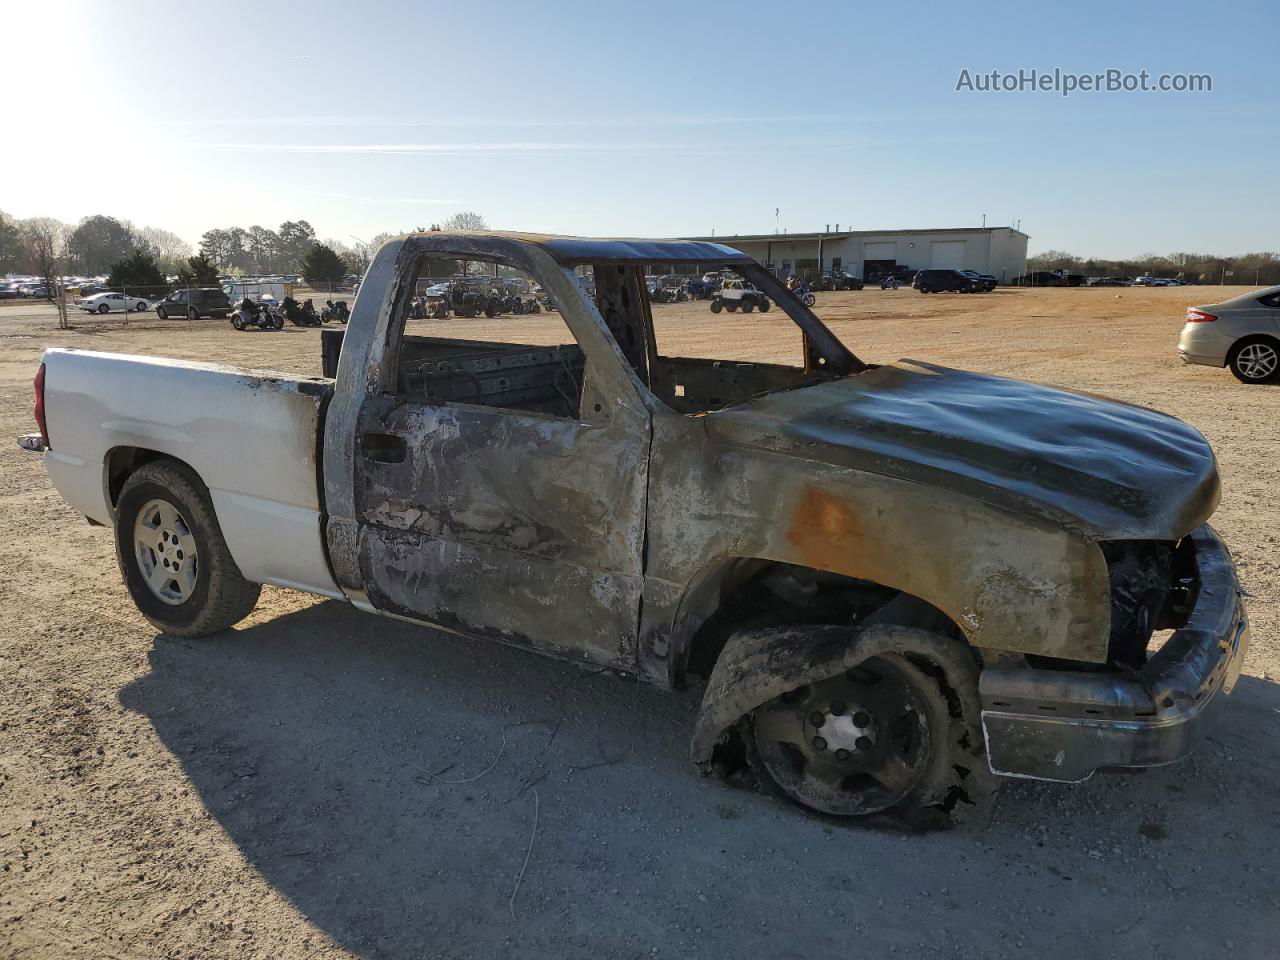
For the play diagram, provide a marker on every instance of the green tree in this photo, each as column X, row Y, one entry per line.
column 98, row 242
column 136, row 271
column 295, row 239
column 322, row 264
column 198, row 271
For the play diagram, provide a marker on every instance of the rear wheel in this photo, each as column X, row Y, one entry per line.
column 764, row 306
column 716, row 306
column 747, row 306
column 172, row 554
column 237, row 321
column 1255, row 361
column 103, row 308
column 924, row 289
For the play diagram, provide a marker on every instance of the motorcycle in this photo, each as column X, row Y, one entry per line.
column 337, row 311
column 888, row 283
column 259, row 315
column 804, row 294
column 303, row 315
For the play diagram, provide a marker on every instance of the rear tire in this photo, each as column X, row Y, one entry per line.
column 1255, row 360
column 237, row 321
column 206, row 593
column 103, row 308
column 747, row 306
column 716, row 306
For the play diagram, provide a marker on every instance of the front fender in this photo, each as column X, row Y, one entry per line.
column 1009, row 582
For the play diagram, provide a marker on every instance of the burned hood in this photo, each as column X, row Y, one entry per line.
column 1109, row 469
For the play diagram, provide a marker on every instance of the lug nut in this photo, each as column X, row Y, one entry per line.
column 819, row 743
column 861, row 719
column 863, row 743
column 842, row 754
column 817, row 719
column 837, row 708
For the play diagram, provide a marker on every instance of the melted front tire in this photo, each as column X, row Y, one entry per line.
column 876, row 726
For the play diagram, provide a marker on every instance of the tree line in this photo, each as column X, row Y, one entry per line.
column 145, row 257
column 1257, row 269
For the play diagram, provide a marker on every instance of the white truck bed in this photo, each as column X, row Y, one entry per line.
column 250, row 435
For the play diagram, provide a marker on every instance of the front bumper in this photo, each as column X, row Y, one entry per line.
column 1066, row 725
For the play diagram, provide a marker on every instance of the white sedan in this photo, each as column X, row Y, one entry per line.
column 112, row 303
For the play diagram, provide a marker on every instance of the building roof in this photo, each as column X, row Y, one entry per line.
column 844, row 234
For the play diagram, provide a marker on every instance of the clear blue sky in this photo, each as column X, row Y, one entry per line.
column 645, row 119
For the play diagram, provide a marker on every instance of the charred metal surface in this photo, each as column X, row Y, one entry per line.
column 1008, row 581
column 1065, row 724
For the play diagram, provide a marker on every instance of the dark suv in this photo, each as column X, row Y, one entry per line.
column 194, row 304
column 938, row 281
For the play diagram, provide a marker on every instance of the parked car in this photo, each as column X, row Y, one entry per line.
column 1109, row 282
column 194, row 303
column 1242, row 334
column 941, row 281
column 982, row 281
column 896, row 579
column 1043, row 278
column 112, row 303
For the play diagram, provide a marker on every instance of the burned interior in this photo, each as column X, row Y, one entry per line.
column 541, row 368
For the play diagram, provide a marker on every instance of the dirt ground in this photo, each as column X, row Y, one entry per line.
column 321, row 783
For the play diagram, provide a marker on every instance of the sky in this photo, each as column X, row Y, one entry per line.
column 645, row 119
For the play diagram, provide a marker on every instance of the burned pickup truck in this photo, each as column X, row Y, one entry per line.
column 894, row 580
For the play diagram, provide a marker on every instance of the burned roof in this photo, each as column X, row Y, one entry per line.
column 571, row 251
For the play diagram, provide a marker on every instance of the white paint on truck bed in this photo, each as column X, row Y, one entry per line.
column 251, row 436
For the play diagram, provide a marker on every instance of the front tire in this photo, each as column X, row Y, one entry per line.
column 162, row 313
column 716, row 306
column 1255, row 360
column 142, row 307
column 173, row 557
column 893, row 733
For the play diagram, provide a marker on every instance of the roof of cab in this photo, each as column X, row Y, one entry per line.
column 574, row 250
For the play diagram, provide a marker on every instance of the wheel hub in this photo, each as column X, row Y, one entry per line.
column 842, row 730
column 165, row 549
column 852, row 744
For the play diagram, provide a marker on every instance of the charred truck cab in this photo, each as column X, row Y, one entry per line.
column 896, row 582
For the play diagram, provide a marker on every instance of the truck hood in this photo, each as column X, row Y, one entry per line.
column 1108, row 469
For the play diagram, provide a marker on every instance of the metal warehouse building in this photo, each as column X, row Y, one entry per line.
column 999, row 251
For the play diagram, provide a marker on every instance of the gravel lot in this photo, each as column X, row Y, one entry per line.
column 321, row 783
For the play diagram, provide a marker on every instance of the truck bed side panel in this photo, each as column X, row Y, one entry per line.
column 252, row 438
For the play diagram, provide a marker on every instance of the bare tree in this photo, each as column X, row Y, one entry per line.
column 169, row 249
column 46, row 239
column 465, row 220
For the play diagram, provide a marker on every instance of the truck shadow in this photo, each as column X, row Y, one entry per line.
column 388, row 781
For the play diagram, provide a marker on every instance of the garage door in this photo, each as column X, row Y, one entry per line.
column 947, row 255
column 880, row 251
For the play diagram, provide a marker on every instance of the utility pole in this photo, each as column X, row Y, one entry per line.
column 984, row 221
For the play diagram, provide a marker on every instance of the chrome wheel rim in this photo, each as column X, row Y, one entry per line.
column 1258, row 361
column 850, row 745
column 165, row 549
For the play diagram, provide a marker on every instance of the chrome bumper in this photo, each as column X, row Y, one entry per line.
column 1065, row 725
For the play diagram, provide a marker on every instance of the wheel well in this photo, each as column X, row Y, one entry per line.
column 123, row 461
column 1251, row 338
column 747, row 593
